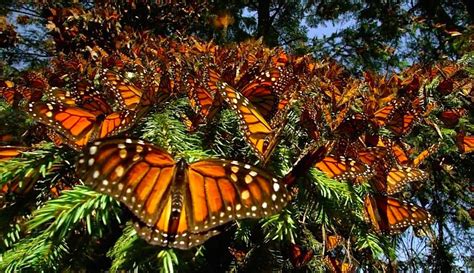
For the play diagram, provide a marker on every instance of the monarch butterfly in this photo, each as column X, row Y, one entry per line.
column 369, row 155
column 9, row 95
column 397, row 178
column 327, row 110
column 424, row 154
column 178, row 205
column 261, row 136
column 351, row 126
column 333, row 241
column 79, row 126
column 203, row 97
column 389, row 215
column 300, row 257
column 337, row 266
column 465, row 143
column 454, row 78
column 381, row 116
column 14, row 94
column 402, row 123
column 269, row 91
column 399, row 153
column 451, row 117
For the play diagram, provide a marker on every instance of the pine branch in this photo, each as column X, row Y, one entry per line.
column 168, row 131
column 132, row 253
column 281, row 227
column 77, row 206
column 31, row 165
column 37, row 254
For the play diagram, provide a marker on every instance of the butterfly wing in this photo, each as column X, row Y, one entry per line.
column 115, row 123
column 465, row 143
column 389, row 215
column 265, row 90
column 300, row 257
column 203, row 102
column 126, row 93
column 258, row 133
column 7, row 152
column 342, row 168
column 73, row 122
column 135, row 173
column 425, row 154
column 337, row 266
column 92, row 102
column 402, row 123
column 221, row 191
column 399, row 153
column 332, row 241
column 397, row 178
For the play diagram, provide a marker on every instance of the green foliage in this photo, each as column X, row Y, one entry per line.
column 280, row 227
column 130, row 252
column 39, row 254
column 77, row 206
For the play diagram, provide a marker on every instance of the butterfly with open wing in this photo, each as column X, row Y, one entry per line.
column 390, row 215
column 178, row 204
column 82, row 114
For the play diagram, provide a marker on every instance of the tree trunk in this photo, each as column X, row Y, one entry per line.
column 264, row 23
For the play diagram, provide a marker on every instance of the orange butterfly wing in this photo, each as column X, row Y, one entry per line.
column 202, row 97
column 72, row 122
column 342, row 168
column 337, row 266
column 401, row 124
column 265, row 89
column 300, row 257
column 389, row 215
column 425, row 154
column 259, row 134
column 332, row 241
column 178, row 205
column 397, row 178
column 8, row 152
column 92, row 102
column 399, row 154
column 126, row 93
column 77, row 126
column 465, row 143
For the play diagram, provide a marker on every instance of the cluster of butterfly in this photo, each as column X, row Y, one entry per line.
column 181, row 205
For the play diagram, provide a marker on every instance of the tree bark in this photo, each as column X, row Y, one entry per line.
column 264, row 22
